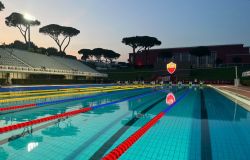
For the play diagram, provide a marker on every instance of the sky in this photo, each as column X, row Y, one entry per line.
column 103, row 23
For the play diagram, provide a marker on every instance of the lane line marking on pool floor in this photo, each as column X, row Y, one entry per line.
column 206, row 150
column 125, row 145
column 34, row 129
column 83, row 146
column 104, row 148
column 67, row 114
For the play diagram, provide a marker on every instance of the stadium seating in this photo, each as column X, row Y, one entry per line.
column 38, row 60
column 7, row 59
column 74, row 64
column 21, row 60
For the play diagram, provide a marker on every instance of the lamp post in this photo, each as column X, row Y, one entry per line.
column 29, row 18
column 236, row 81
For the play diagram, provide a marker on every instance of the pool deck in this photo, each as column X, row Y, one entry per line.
column 242, row 91
column 240, row 95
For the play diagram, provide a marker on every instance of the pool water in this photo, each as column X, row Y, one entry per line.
column 203, row 125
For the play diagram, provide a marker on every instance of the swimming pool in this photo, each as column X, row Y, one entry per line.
column 202, row 125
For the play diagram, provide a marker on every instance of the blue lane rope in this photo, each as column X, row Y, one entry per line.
column 40, row 104
column 176, row 102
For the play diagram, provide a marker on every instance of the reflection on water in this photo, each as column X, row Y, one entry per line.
column 23, row 142
column 27, row 115
column 102, row 110
column 170, row 98
column 61, row 129
column 31, row 146
column 34, row 113
column 221, row 108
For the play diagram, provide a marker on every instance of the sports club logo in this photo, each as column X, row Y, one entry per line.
column 170, row 99
column 171, row 67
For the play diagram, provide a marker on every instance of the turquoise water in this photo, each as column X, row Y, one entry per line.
column 203, row 125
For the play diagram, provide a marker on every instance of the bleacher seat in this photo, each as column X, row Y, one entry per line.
column 39, row 60
column 74, row 64
column 8, row 60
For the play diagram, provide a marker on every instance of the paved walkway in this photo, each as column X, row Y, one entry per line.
column 242, row 91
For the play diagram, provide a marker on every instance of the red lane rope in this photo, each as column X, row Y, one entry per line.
column 59, row 101
column 125, row 145
column 17, row 107
column 41, row 120
column 66, row 114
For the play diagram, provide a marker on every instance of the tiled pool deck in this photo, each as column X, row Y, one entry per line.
column 243, row 91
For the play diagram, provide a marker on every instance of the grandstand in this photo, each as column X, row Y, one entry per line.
column 20, row 64
column 7, row 59
column 73, row 64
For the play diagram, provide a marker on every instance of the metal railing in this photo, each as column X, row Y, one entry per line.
column 4, row 68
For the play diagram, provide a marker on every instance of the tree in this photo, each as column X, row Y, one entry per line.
column 41, row 50
column 18, row 20
column 132, row 42
column 1, row 6
column 86, row 53
column 51, row 51
column 147, row 42
column 110, row 55
column 18, row 45
column 56, row 31
column 144, row 42
column 200, row 52
column 98, row 53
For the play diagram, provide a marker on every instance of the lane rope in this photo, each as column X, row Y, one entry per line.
column 125, row 145
column 40, row 104
column 66, row 114
column 32, row 93
column 63, row 95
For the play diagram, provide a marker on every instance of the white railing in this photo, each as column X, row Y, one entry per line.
column 48, row 71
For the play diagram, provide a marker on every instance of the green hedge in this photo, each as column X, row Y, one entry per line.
column 245, row 81
column 131, row 74
column 40, row 82
column 217, row 73
column 2, row 81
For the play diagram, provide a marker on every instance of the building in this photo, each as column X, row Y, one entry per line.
column 220, row 55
